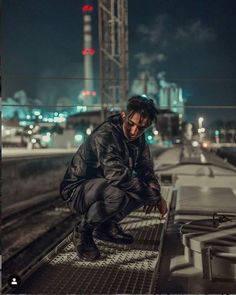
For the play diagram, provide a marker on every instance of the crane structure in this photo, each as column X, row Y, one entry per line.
column 113, row 53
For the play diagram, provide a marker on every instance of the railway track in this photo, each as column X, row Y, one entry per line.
column 30, row 234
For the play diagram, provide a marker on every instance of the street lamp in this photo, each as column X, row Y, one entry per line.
column 200, row 121
column 201, row 130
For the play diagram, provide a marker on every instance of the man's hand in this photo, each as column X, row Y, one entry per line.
column 161, row 206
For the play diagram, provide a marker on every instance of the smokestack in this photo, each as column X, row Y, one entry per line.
column 88, row 93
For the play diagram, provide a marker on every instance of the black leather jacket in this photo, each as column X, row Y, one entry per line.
column 107, row 153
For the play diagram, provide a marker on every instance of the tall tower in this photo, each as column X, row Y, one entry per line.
column 113, row 52
column 88, row 93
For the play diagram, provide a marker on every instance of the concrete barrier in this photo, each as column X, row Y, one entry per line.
column 25, row 178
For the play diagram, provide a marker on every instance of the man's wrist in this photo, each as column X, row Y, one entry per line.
column 155, row 186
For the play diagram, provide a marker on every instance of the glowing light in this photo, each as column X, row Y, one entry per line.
column 87, row 8
column 201, row 130
column 56, row 114
column 90, row 51
column 31, row 126
column 205, row 145
column 59, row 119
column 217, row 132
column 88, row 131
column 28, row 117
column 78, row 137
column 46, row 138
column 36, row 113
column 40, row 117
column 29, row 131
column 194, row 143
column 155, row 132
column 149, row 137
column 33, row 140
column 79, row 108
column 86, row 93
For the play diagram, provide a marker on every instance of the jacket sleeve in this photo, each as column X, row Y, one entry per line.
column 144, row 169
column 113, row 165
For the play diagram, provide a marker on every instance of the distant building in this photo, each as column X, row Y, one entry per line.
column 171, row 98
column 168, row 124
column 85, row 119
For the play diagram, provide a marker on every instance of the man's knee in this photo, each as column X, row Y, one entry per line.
column 115, row 197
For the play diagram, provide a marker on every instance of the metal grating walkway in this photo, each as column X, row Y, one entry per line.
column 122, row 269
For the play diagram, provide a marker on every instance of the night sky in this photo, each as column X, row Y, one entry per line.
column 192, row 41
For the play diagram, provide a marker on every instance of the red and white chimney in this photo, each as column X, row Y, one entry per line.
column 88, row 92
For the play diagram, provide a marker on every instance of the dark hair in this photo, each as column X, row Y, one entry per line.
column 142, row 105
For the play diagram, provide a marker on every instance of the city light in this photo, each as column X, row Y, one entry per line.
column 200, row 121
column 205, row 145
column 155, row 132
column 86, row 93
column 88, row 131
column 201, row 130
column 46, row 138
column 78, row 138
column 195, row 143
column 59, row 119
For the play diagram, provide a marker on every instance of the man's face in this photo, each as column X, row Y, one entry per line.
column 134, row 125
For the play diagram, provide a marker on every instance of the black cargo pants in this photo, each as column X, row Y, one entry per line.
column 99, row 201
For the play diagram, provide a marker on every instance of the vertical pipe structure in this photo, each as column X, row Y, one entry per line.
column 123, row 41
column 88, row 52
column 113, row 53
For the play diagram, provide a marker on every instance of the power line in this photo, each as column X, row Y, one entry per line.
column 14, row 76
column 91, row 106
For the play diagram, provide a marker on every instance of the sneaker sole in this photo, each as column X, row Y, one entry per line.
column 88, row 259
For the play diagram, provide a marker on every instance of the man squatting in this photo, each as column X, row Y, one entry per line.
column 110, row 176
